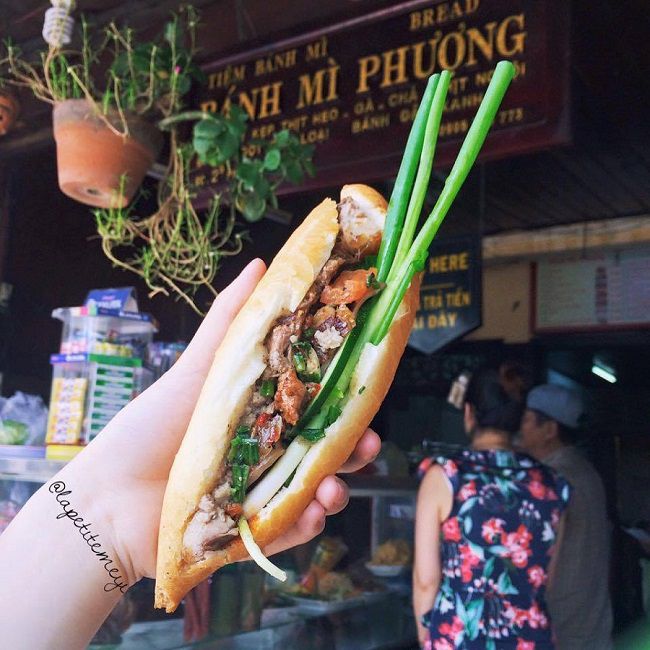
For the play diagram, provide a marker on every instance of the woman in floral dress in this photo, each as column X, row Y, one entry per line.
column 487, row 523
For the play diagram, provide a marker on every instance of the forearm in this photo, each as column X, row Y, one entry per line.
column 61, row 576
column 424, row 595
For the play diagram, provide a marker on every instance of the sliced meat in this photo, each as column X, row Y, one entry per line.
column 277, row 346
column 266, row 460
column 289, row 396
column 208, row 530
column 328, row 311
column 220, row 494
column 292, row 325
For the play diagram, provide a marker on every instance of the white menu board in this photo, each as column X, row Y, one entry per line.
column 605, row 291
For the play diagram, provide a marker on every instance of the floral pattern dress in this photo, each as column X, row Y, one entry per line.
column 496, row 546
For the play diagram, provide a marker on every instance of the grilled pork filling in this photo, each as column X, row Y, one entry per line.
column 300, row 346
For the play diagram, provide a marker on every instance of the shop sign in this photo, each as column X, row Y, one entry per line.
column 450, row 295
column 605, row 291
column 353, row 88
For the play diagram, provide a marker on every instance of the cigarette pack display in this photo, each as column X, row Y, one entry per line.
column 99, row 367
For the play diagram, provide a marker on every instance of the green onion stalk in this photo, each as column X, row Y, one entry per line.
column 408, row 255
column 402, row 254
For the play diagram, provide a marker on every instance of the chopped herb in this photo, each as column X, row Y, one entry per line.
column 373, row 283
column 243, row 431
column 244, row 450
column 312, row 434
column 361, row 389
column 288, row 481
column 267, row 389
column 239, row 482
column 332, row 414
column 309, row 333
column 299, row 362
column 306, row 361
column 250, row 451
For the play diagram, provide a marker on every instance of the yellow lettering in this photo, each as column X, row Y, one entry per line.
column 368, row 67
column 419, row 70
column 311, row 89
column 209, row 106
column 317, row 50
column 458, row 50
column 270, row 100
column 516, row 41
column 394, row 67
column 230, row 74
column 484, row 43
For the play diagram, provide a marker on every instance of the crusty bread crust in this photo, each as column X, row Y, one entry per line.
column 238, row 363
column 366, row 197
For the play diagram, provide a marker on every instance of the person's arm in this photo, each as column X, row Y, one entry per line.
column 552, row 567
column 433, row 496
column 91, row 532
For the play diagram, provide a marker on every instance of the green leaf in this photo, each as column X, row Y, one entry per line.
column 312, row 434
column 477, row 550
column 467, row 505
column 488, row 568
column 208, row 128
column 171, row 32
column 283, row 138
column 251, row 206
column 294, row 172
column 248, row 173
column 505, row 586
column 474, row 613
column 467, row 525
column 272, row 159
column 333, row 415
column 499, row 550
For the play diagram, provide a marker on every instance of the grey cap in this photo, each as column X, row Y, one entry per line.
column 556, row 402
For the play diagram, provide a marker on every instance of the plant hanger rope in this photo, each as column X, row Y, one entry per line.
column 177, row 248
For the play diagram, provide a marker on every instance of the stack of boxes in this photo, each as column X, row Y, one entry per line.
column 99, row 367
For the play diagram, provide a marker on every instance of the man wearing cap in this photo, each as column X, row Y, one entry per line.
column 578, row 598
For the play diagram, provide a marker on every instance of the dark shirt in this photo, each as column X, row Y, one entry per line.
column 496, row 546
column 579, row 601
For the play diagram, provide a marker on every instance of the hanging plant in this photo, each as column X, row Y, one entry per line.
column 105, row 130
column 108, row 135
column 177, row 250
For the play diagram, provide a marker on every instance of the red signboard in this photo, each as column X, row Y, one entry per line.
column 352, row 89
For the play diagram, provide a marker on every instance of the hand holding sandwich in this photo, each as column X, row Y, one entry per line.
column 110, row 498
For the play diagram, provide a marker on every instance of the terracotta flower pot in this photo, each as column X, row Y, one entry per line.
column 9, row 109
column 92, row 160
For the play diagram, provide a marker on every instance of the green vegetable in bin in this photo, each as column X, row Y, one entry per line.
column 12, row 432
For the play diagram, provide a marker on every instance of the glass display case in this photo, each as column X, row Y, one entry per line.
column 239, row 618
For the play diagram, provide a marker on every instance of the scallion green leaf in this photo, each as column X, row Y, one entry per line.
column 312, row 434
column 240, row 474
column 299, row 362
column 267, row 389
column 402, row 189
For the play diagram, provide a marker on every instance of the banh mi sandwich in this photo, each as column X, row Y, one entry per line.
column 307, row 361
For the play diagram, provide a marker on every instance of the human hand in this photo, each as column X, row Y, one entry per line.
column 131, row 459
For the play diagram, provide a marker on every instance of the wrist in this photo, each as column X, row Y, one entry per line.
column 84, row 504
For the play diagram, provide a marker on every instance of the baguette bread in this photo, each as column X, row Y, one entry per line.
column 238, row 364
